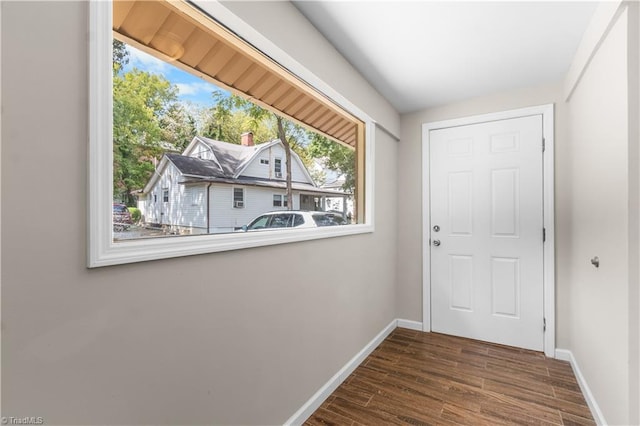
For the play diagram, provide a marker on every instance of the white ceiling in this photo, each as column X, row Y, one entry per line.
column 420, row 54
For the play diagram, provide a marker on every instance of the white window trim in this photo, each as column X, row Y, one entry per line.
column 102, row 250
column 277, row 160
column 283, row 200
column 233, row 197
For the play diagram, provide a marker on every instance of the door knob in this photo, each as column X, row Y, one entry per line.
column 436, row 243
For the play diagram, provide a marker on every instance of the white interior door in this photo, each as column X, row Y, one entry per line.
column 487, row 231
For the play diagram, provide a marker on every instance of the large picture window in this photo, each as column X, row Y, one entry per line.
column 179, row 101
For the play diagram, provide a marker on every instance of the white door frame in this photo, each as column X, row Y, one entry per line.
column 549, row 284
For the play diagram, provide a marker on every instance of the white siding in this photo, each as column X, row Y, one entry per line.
column 145, row 204
column 193, row 213
column 255, row 169
column 186, row 206
column 199, row 150
column 224, row 217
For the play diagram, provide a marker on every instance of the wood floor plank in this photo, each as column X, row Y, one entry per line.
column 565, row 382
column 515, row 415
column 571, row 420
column 322, row 416
column 570, row 396
column 464, row 417
column 536, row 398
column 421, row 378
column 357, row 395
column 414, row 412
column 361, row 414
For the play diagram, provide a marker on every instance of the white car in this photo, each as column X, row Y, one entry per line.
column 294, row 219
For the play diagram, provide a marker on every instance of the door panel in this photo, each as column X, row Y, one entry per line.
column 486, row 199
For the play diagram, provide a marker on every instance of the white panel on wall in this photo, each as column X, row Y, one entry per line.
column 460, row 203
column 505, row 202
column 461, row 284
column 505, row 285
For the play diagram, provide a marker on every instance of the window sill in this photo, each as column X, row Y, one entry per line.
column 142, row 250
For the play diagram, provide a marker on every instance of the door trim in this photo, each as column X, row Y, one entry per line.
column 549, row 284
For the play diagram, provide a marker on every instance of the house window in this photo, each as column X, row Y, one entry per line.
column 277, row 167
column 238, row 198
column 300, row 99
column 280, row 200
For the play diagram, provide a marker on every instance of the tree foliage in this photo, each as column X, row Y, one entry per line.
column 140, row 100
column 178, row 127
column 334, row 156
column 120, row 56
column 229, row 128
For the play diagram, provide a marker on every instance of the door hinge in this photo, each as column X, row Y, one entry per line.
column 544, row 324
column 544, row 234
column 543, row 145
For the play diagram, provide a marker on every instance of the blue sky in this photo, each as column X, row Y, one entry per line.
column 191, row 89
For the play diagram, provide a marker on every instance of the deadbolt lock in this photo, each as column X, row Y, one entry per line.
column 436, row 228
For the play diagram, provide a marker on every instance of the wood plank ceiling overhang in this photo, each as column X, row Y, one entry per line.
column 180, row 34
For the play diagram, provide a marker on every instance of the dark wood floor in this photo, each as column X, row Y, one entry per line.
column 427, row 378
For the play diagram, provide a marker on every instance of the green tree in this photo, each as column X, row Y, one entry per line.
column 336, row 157
column 178, row 126
column 120, row 56
column 229, row 127
column 140, row 99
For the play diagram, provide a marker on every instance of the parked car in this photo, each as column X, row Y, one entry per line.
column 121, row 217
column 294, row 219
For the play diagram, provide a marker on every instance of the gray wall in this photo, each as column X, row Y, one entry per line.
column 598, row 316
column 227, row 338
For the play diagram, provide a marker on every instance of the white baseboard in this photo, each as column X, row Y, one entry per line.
column 327, row 389
column 411, row 325
column 567, row 355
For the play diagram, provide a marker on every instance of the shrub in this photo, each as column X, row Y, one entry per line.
column 135, row 214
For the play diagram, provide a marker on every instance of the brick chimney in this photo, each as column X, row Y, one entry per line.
column 246, row 139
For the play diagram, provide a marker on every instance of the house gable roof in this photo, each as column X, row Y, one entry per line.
column 229, row 156
column 192, row 166
column 228, row 163
column 261, row 147
column 234, row 159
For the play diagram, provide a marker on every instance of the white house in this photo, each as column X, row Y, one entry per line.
column 215, row 186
